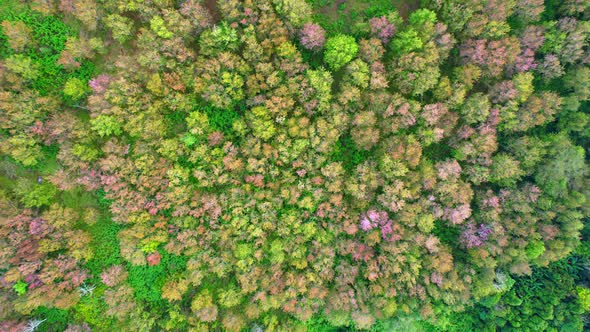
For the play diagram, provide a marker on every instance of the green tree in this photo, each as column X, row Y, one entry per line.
column 583, row 295
column 476, row 108
column 261, row 122
column 565, row 168
column 321, row 80
column 20, row 287
column 340, row 50
column 158, row 26
column 106, row 125
column 35, row 195
column 406, row 41
column 221, row 38
column 23, row 148
column 75, row 88
column 296, row 12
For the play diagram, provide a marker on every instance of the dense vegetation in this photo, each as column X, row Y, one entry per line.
column 282, row 165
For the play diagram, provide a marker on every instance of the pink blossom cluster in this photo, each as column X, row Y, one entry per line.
column 67, row 6
column 503, row 92
column 99, row 84
column 492, row 202
column 494, row 118
column 33, row 281
column 312, row 36
column 448, row 169
column 382, row 28
column 458, row 214
column 474, row 51
column 475, row 236
column 436, row 278
column 154, row 258
column 39, row 227
column 377, row 219
column 113, row 275
column 73, row 276
column 433, row 112
column 151, row 207
column 525, row 61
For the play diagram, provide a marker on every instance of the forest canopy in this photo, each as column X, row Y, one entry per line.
column 294, row 165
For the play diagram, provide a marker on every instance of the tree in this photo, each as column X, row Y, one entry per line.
column 261, row 123
column 529, row 10
column 564, row 170
column 358, row 73
column 22, row 65
column 407, row 41
column 106, row 125
column 197, row 13
column 340, row 50
column 321, row 82
column 384, row 27
column 220, row 38
column 476, row 108
column 22, row 148
column 295, row 11
column 423, row 20
column 158, row 26
column 550, row 67
column 577, row 79
column 203, row 307
column 19, row 35
column 312, row 36
column 505, row 171
column 75, row 88
column 121, row 27
column 36, row 195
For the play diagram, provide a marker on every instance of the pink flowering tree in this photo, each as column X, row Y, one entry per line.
column 312, row 36
column 378, row 219
column 475, row 236
column 99, row 84
column 381, row 28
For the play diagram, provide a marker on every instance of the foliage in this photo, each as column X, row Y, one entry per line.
column 158, row 26
column 20, row 287
column 48, row 35
column 75, row 88
column 106, row 125
column 147, row 280
column 220, row 38
column 120, row 26
column 584, row 296
column 290, row 165
column 36, row 195
column 406, row 42
column 340, row 50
